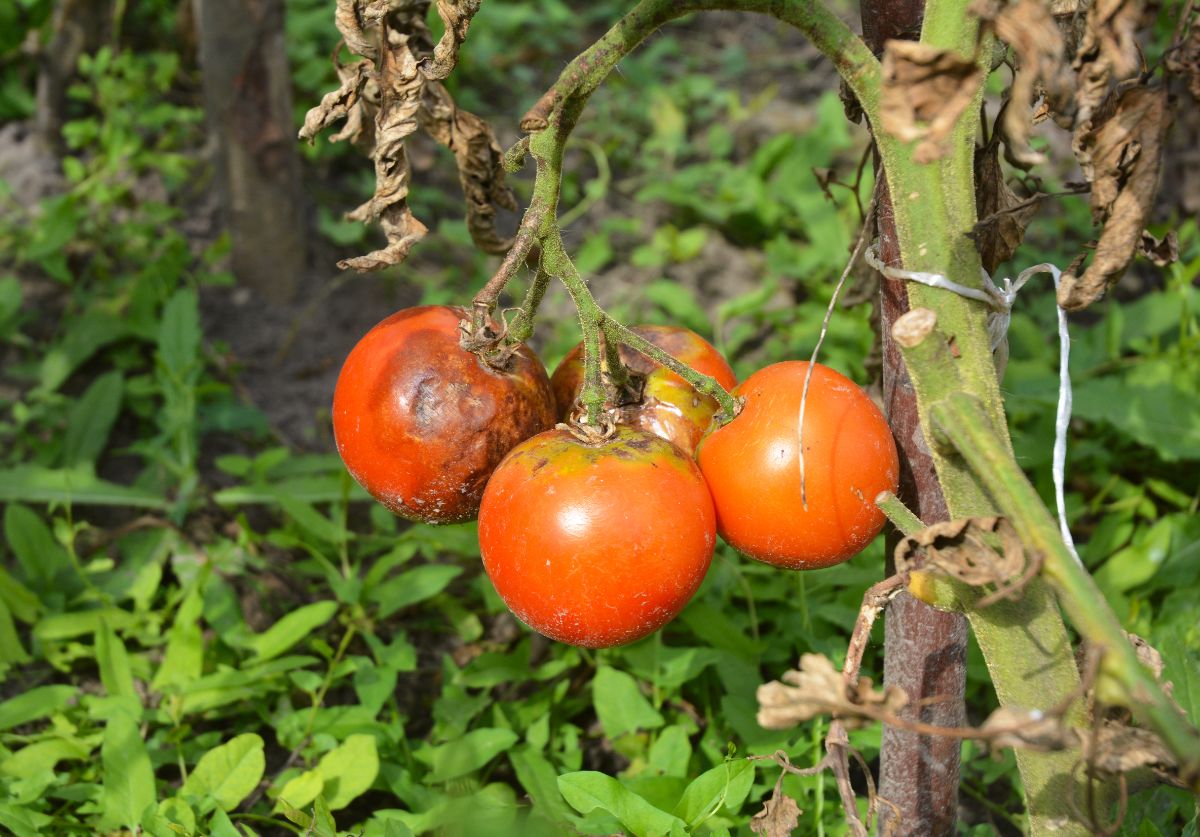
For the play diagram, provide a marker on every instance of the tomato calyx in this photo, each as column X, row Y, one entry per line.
column 722, row 418
column 480, row 336
column 592, row 435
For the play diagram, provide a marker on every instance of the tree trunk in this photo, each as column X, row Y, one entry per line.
column 247, row 92
column 924, row 649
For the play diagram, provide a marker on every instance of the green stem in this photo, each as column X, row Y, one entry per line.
column 556, row 262
column 961, row 419
column 522, row 327
column 902, row 516
column 703, row 384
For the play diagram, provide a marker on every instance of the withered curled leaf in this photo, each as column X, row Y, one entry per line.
column 1107, row 53
column 778, row 818
column 1028, row 729
column 924, row 91
column 1002, row 217
column 480, row 164
column 1160, row 252
column 1118, row 748
column 1185, row 60
column 456, row 15
column 817, row 688
column 354, row 18
column 339, row 104
column 1030, row 29
column 961, row 549
column 1121, row 153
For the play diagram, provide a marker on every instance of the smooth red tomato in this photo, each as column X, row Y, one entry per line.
column 421, row 423
column 669, row 407
column 753, row 469
column 596, row 545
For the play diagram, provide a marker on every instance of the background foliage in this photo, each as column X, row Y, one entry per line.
column 197, row 621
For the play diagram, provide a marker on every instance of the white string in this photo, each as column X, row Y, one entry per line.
column 1001, row 300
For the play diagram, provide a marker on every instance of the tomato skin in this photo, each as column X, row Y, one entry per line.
column 670, row 407
column 421, row 423
column 596, row 545
column 753, row 469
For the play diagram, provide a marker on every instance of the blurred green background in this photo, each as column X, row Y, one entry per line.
column 200, row 611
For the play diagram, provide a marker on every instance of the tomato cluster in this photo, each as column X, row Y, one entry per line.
column 598, row 537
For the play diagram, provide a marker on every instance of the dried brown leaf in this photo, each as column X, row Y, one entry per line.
column 1028, row 729
column 1107, row 53
column 961, row 549
column 354, row 19
column 1185, row 60
column 479, row 159
column 340, row 104
column 1119, row 748
column 1160, row 252
column 1002, row 228
column 779, row 816
column 925, row 89
column 456, row 15
column 1121, row 153
column 1030, row 29
column 817, row 688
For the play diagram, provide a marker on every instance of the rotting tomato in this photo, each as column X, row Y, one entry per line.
column 662, row 403
column 596, row 543
column 421, row 423
column 752, row 468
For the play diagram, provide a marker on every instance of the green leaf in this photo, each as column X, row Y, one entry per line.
column 11, row 649
column 127, row 773
column 70, row 625
column 299, row 791
column 36, row 484
column 41, row 556
column 671, row 752
column 43, row 755
column 620, row 704
column 588, row 790
column 222, row 826
column 92, row 420
column 726, row 785
column 22, row 601
column 113, row 660
column 291, row 629
column 540, row 780
column 22, row 821
column 38, row 702
column 228, row 773
column 87, row 335
column 469, row 753
column 179, row 332
column 413, row 586
column 349, row 770
column 183, row 661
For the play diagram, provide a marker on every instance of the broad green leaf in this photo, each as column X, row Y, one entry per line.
column 312, row 521
column 43, row 755
column 620, row 704
column 22, row 602
column 374, row 685
column 86, row 335
column 228, row 773
column 183, row 661
column 319, row 489
column 175, row 810
column 588, row 790
column 291, row 629
column 540, row 780
column 415, row 585
column 469, row 753
column 221, row 826
column 30, row 539
column 22, row 821
column 671, row 752
column 127, row 773
column 299, row 791
column 179, row 332
column 35, row 484
column 726, row 785
column 92, row 420
column 1150, row 403
column 70, row 625
column 323, row 819
column 11, row 649
column 38, row 702
column 349, row 770
column 113, row 661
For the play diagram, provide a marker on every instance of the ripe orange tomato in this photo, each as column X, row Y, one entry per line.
column 421, row 423
column 669, row 407
column 753, row 469
column 596, row 544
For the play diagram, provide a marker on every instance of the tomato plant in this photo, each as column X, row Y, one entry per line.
column 596, row 543
column 752, row 466
column 656, row 399
column 420, row 422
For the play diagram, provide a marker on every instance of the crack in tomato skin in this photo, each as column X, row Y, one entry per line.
column 849, row 456
column 596, row 545
column 421, row 423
